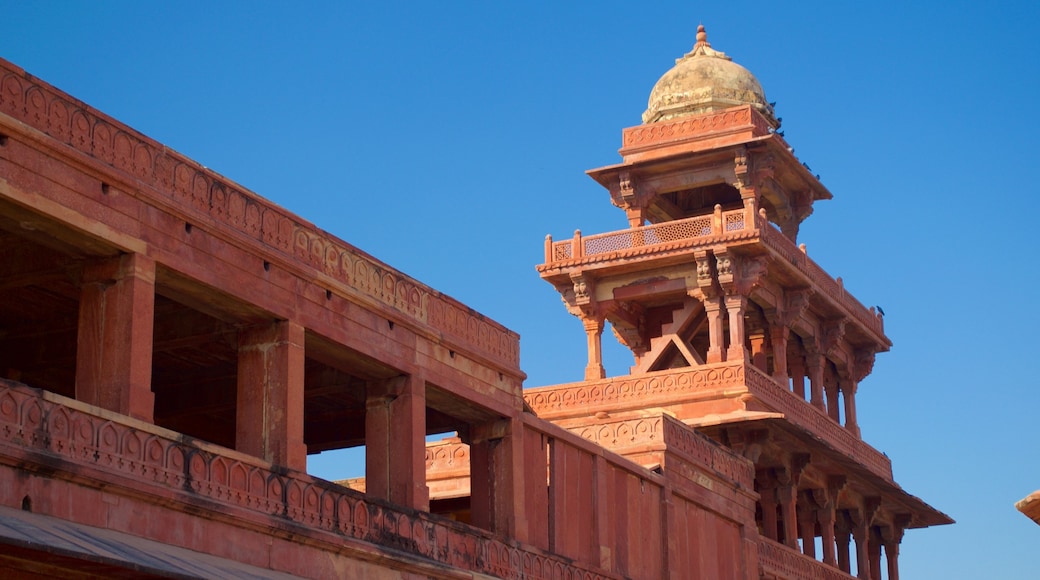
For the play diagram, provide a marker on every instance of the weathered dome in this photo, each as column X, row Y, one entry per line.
column 704, row 80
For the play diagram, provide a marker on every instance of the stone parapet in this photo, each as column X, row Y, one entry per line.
column 164, row 177
column 778, row 562
column 804, row 415
column 40, row 431
column 617, row 394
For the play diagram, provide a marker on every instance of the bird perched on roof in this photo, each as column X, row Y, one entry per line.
column 880, row 310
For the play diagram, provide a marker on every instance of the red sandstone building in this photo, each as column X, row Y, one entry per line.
column 172, row 346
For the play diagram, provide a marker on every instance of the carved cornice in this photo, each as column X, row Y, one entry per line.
column 166, row 178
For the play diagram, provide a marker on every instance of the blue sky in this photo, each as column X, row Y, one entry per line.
column 448, row 138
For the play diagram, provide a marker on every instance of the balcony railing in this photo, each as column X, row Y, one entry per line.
column 705, row 230
column 798, row 411
column 704, row 226
column 703, row 383
column 779, row 561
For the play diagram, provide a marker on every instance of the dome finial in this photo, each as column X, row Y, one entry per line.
column 702, row 36
column 702, row 47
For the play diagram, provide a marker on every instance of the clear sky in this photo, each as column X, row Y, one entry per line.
column 448, row 138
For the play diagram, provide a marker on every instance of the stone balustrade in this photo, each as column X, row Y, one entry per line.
column 632, row 391
column 705, row 231
column 779, row 562
column 707, row 381
column 797, row 411
column 102, row 449
column 701, row 229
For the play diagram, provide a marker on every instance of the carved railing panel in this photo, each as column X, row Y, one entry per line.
column 632, row 390
column 823, row 282
column 113, row 453
column 698, row 229
column 798, row 411
column 166, row 176
column 779, row 561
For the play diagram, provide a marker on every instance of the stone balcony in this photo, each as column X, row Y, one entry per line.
column 668, row 242
column 731, row 381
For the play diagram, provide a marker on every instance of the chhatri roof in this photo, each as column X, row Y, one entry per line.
column 704, row 80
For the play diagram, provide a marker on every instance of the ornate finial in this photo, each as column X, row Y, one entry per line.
column 702, row 47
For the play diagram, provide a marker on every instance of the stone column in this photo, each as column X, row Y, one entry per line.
column 826, row 518
column 807, row 526
column 861, row 533
column 496, row 477
column 269, row 415
column 848, row 390
column 814, row 364
column 830, row 385
column 788, row 496
column 892, row 536
column 842, row 533
column 767, row 497
column 114, row 336
column 798, row 376
column 874, row 548
column 395, row 441
column 713, row 309
column 735, row 307
column 778, row 334
column 594, row 333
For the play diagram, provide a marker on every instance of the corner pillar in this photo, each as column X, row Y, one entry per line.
column 843, row 537
column 594, row 335
column 269, row 420
column 807, row 525
column 735, row 308
column 395, row 441
column 114, row 336
column 713, row 309
column 814, row 364
column 767, row 497
column 778, row 334
column 848, row 390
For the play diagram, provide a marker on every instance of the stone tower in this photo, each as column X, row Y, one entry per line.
column 735, row 331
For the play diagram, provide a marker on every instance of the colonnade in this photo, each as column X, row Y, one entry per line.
column 796, row 516
column 114, row 351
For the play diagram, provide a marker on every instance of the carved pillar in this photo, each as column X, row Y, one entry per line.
column 788, row 498
column 814, row 364
column 807, row 524
column 830, row 385
column 767, row 498
column 713, row 309
column 787, row 495
column 862, row 532
column 891, row 537
column 797, row 372
column 848, row 391
column 842, row 534
column 269, row 420
column 827, row 499
column 594, row 333
column 778, row 334
column 874, row 548
column 826, row 518
column 114, row 336
column 735, row 306
column 395, row 441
